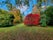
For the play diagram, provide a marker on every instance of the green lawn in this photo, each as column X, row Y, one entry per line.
column 23, row 32
column 26, row 27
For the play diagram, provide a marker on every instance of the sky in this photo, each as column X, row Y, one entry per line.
column 28, row 11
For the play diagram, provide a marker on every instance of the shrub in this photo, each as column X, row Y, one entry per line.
column 17, row 15
column 32, row 19
column 6, row 19
column 43, row 20
column 49, row 14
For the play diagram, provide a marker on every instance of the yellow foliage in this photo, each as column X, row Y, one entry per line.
column 17, row 15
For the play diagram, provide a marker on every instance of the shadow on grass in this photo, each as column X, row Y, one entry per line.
column 6, row 26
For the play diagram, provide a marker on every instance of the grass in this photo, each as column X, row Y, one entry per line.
column 23, row 32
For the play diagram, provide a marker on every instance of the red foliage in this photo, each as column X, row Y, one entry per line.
column 32, row 19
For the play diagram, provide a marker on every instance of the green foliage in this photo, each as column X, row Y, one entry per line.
column 6, row 19
column 49, row 14
column 27, row 2
column 3, row 11
column 39, row 2
column 19, row 2
column 43, row 20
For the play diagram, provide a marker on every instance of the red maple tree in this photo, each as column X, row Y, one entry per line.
column 32, row 19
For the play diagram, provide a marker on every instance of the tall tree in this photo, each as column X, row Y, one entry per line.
column 19, row 2
column 52, row 1
column 39, row 2
column 9, row 4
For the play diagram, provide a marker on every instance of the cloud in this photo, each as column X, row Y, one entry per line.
column 22, row 8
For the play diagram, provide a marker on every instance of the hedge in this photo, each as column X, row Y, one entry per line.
column 6, row 19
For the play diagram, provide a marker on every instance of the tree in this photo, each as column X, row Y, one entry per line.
column 17, row 15
column 19, row 2
column 9, row 4
column 52, row 1
column 39, row 2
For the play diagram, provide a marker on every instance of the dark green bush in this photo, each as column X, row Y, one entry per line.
column 49, row 14
column 6, row 19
